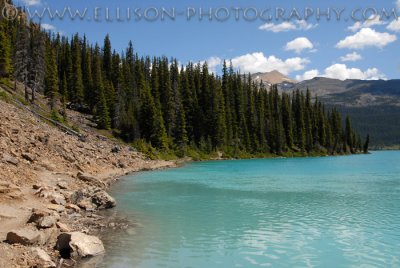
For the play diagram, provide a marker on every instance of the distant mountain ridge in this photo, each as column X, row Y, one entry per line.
column 273, row 77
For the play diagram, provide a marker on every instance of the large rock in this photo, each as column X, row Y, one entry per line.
column 87, row 205
column 79, row 244
column 89, row 178
column 76, row 197
column 57, row 208
column 24, row 236
column 57, row 199
column 49, row 236
column 47, row 222
column 63, row 227
column 103, row 200
column 9, row 159
column 44, row 258
column 42, row 219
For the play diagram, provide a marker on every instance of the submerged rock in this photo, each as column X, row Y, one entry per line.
column 79, row 244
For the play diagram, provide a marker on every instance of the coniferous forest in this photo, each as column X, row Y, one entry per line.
column 160, row 106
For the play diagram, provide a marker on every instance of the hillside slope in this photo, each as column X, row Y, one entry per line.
column 42, row 166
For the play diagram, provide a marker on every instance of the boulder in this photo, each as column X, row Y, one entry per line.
column 63, row 227
column 76, row 197
column 37, row 215
column 103, row 200
column 24, row 236
column 87, row 204
column 44, row 258
column 9, row 159
column 46, row 222
column 57, row 199
column 89, row 178
column 57, row 208
column 49, row 236
column 73, row 207
column 79, row 244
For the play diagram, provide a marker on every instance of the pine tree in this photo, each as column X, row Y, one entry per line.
column 101, row 109
column 76, row 81
column 36, row 65
column 22, row 57
column 5, row 51
column 366, row 145
column 51, row 75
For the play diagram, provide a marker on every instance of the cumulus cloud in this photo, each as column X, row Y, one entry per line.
column 308, row 75
column 258, row 62
column 287, row 26
column 371, row 21
column 299, row 44
column 47, row 27
column 394, row 25
column 342, row 72
column 31, row 2
column 351, row 57
column 366, row 37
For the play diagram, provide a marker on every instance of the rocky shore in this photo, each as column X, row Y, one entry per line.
column 53, row 187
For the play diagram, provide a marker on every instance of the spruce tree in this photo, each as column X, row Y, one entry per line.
column 5, row 51
column 51, row 75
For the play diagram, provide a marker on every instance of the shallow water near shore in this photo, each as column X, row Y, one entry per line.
column 301, row 212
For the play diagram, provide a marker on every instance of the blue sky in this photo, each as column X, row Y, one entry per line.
column 301, row 49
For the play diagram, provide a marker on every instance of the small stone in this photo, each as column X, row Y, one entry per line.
column 36, row 186
column 28, row 157
column 62, row 185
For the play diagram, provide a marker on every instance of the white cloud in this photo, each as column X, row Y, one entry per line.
column 398, row 4
column 308, row 75
column 342, row 72
column 258, row 62
column 351, row 57
column 366, row 37
column 394, row 25
column 31, row 2
column 213, row 63
column 299, row 44
column 48, row 27
column 371, row 21
column 287, row 26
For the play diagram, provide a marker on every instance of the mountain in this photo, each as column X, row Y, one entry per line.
column 374, row 106
column 273, row 77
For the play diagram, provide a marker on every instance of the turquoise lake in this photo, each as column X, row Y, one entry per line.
column 302, row 212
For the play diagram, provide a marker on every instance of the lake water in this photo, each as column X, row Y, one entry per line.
column 303, row 212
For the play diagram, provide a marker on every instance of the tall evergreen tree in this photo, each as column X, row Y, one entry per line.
column 5, row 51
